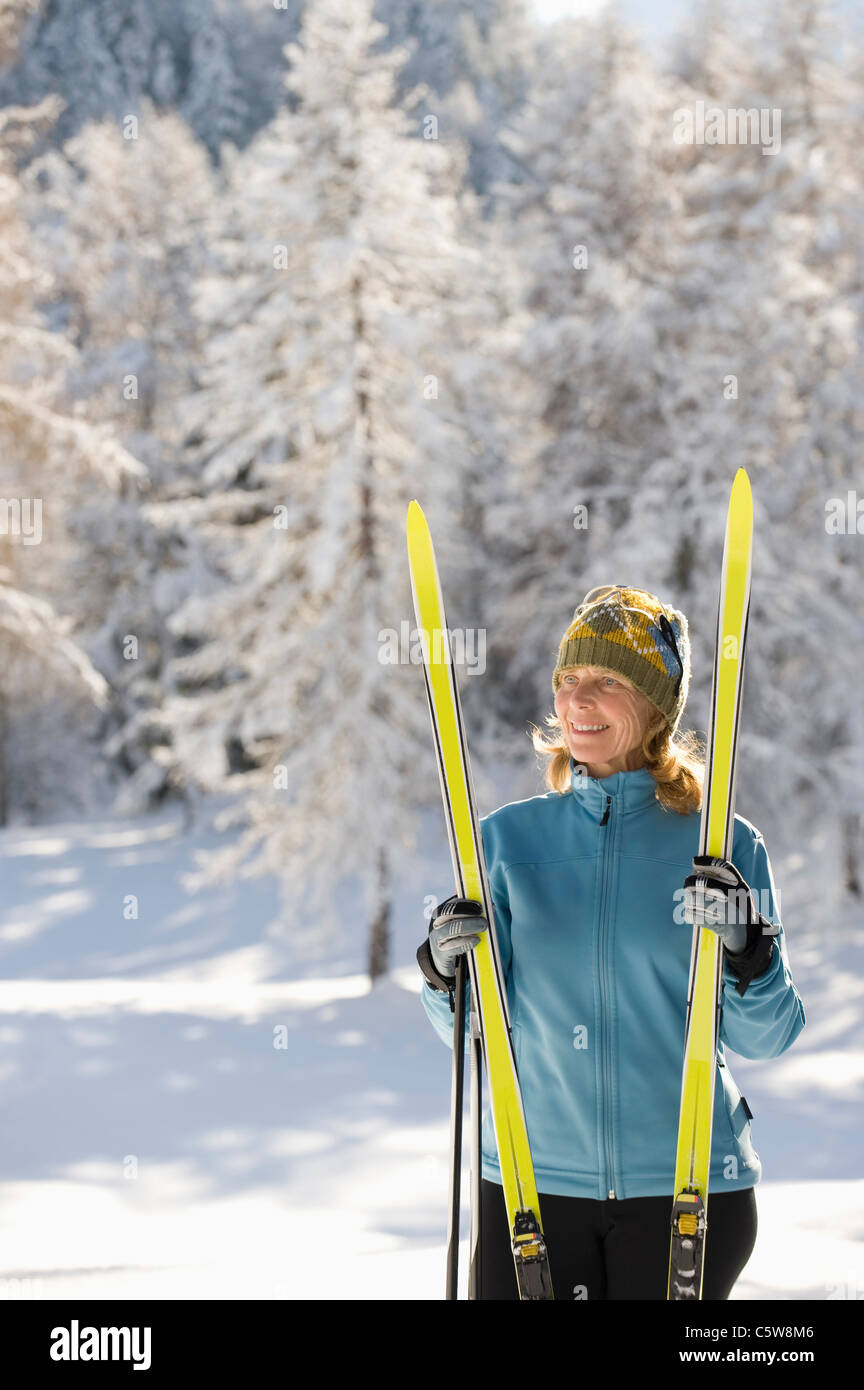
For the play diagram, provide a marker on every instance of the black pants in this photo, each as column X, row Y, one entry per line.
column 616, row 1249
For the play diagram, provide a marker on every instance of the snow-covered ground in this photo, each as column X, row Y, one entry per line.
column 189, row 1110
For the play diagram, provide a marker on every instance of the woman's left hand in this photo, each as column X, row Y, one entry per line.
column 717, row 897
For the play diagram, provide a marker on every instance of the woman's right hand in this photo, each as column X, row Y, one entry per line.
column 455, row 929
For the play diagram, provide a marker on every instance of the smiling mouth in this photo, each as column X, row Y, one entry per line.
column 589, row 730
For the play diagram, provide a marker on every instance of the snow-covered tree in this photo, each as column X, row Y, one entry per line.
column 765, row 371
column 218, row 63
column 214, row 100
column 476, row 61
column 120, row 216
column 592, row 229
column 337, row 388
column 49, row 458
column 713, row 330
column 120, row 213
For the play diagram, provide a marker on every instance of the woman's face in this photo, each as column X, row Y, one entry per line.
column 589, row 695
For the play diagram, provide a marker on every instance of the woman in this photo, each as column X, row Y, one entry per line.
column 594, row 894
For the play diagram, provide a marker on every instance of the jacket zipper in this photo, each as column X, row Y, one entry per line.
column 607, row 1070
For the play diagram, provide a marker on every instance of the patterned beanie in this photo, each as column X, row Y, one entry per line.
column 630, row 631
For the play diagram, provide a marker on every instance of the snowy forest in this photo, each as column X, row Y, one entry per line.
column 270, row 271
column 273, row 271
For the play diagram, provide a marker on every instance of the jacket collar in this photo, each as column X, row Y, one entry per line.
column 630, row 791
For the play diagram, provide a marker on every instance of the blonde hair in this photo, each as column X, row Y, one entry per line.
column 677, row 763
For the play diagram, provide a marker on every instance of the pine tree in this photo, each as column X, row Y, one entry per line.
column 48, row 458
column 329, row 400
column 592, row 225
column 121, row 221
column 713, row 325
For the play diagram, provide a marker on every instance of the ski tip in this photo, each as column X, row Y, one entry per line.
column 742, row 481
column 415, row 521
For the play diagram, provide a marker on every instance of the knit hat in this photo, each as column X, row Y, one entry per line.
column 629, row 630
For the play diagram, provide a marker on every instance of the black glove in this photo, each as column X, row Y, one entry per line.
column 455, row 928
column 713, row 880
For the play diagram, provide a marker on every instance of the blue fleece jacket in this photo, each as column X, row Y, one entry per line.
column 584, row 889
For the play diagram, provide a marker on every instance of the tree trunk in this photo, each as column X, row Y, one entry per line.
column 8, row 567
column 379, row 936
column 4, row 764
column 853, row 824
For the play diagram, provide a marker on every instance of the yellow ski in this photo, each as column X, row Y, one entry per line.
column 692, row 1163
column 485, row 978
